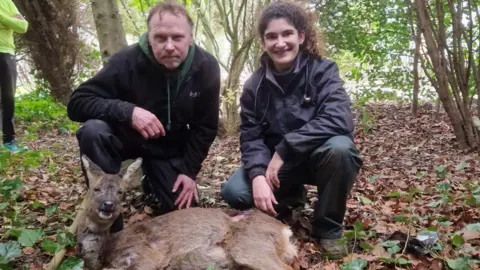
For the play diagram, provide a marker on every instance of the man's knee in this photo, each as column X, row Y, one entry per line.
column 236, row 192
column 92, row 130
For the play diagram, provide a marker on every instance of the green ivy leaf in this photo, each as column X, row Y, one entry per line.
column 395, row 194
column 435, row 203
column 66, row 239
column 8, row 251
column 37, row 204
column 357, row 264
column 403, row 261
column 473, row 227
column 50, row 210
column 3, row 205
column 458, row 264
column 365, row 200
column 390, row 243
column 458, row 240
column 10, row 188
column 28, row 238
column 49, row 246
column 71, row 263
column 366, row 246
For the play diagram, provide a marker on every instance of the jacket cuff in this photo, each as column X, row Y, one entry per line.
column 182, row 169
column 124, row 112
column 255, row 171
column 283, row 150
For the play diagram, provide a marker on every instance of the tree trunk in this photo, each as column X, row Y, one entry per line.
column 416, row 79
column 110, row 32
column 417, row 37
column 53, row 42
column 451, row 75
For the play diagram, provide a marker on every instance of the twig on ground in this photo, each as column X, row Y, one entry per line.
column 57, row 259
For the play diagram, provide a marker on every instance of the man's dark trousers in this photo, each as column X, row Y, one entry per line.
column 108, row 146
column 332, row 168
column 8, row 81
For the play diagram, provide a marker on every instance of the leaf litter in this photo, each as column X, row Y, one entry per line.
column 414, row 182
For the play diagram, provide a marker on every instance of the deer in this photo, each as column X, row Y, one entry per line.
column 189, row 238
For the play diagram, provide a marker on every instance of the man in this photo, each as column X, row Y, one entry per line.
column 157, row 99
column 10, row 21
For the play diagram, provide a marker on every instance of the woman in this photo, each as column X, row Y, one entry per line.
column 296, row 129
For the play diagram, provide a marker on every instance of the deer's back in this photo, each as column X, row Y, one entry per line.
column 160, row 240
column 196, row 238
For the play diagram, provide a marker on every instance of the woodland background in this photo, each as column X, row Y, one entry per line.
column 411, row 68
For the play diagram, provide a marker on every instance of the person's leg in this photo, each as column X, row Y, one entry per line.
column 107, row 148
column 160, row 177
column 237, row 191
column 292, row 192
column 335, row 166
column 8, row 78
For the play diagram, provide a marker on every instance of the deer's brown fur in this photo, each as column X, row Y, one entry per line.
column 193, row 238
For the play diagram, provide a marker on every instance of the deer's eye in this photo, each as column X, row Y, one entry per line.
column 96, row 189
column 120, row 192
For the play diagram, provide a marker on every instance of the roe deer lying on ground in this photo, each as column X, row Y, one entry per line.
column 194, row 238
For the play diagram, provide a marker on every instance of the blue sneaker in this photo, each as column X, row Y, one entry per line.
column 13, row 147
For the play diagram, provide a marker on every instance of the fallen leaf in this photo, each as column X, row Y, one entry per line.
column 380, row 252
column 29, row 250
column 42, row 219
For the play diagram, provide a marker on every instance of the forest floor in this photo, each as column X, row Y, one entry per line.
column 415, row 185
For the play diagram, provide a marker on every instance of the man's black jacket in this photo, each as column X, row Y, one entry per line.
column 189, row 112
column 273, row 119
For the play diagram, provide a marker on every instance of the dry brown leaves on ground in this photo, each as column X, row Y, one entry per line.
column 414, row 185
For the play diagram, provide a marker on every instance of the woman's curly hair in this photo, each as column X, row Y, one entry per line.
column 299, row 18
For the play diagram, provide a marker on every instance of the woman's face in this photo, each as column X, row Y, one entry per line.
column 282, row 41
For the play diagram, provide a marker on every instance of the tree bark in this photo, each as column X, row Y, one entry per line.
column 451, row 75
column 417, row 37
column 53, row 42
column 110, row 32
column 416, row 78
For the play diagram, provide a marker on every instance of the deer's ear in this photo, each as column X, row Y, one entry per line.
column 94, row 173
column 128, row 171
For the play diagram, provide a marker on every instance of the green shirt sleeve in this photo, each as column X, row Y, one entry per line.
column 17, row 25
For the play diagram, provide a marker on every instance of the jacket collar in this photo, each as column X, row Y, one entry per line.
column 266, row 63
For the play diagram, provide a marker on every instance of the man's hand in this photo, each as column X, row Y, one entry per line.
column 272, row 171
column 189, row 190
column 19, row 16
column 147, row 123
column 263, row 195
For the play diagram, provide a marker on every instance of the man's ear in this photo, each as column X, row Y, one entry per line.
column 94, row 173
column 128, row 171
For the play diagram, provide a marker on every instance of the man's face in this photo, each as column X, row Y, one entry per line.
column 170, row 36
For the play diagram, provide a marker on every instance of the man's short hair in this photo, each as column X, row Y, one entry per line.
column 169, row 6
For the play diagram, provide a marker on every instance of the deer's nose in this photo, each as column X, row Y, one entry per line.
column 107, row 206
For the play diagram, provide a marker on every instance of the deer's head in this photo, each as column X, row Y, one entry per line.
column 106, row 191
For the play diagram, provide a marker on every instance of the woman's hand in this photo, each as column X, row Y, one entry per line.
column 272, row 171
column 263, row 195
